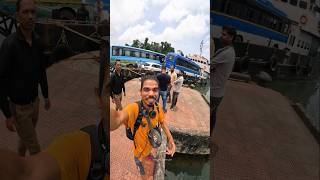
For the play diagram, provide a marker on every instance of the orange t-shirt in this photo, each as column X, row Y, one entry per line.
column 73, row 154
column 141, row 145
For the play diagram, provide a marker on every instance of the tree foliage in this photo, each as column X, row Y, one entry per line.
column 162, row 47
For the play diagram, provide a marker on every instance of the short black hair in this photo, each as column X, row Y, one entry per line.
column 148, row 77
column 231, row 31
column 117, row 60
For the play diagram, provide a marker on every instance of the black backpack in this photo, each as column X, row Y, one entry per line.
column 130, row 134
column 100, row 153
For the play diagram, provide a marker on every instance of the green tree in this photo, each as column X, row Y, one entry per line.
column 162, row 47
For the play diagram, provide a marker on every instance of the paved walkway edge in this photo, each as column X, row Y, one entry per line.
column 306, row 120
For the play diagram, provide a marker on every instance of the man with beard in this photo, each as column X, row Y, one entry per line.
column 150, row 116
column 222, row 65
column 22, row 69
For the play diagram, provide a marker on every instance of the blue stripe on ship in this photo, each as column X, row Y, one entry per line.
column 220, row 20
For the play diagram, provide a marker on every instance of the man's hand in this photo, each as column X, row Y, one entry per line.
column 171, row 149
column 47, row 104
column 10, row 124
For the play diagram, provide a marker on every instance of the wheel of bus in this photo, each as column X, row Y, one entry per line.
column 130, row 66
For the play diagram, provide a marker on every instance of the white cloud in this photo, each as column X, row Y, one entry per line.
column 184, row 23
column 178, row 9
column 189, row 28
column 126, row 12
column 140, row 31
column 188, row 34
column 159, row 2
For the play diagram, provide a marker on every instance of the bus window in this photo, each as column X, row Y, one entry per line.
column 136, row 54
column 151, row 56
column 127, row 52
column 147, row 56
column 171, row 57
column 143, row 55
column 132, row 53
column 115, row 51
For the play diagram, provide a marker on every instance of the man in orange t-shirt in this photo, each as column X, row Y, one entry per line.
column 142, row 147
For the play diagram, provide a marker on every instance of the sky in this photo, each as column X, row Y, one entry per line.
column 183, row 23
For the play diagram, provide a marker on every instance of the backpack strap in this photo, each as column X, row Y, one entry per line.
column 140, row 116
column 138, row 120
column 100, row 154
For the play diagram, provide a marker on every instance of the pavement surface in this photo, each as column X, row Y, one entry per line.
column 192, row 113
column 260, row 136
column 73, row 103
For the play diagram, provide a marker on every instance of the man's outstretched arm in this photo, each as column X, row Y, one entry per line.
column 117, row 118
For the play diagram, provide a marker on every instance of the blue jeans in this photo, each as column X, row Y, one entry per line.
column 139, row 166
column 163, row 94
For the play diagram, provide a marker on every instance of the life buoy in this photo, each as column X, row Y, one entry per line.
column 303, row 19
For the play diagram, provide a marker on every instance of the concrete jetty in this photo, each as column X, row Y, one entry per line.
column 259, row 135
column 189, row 126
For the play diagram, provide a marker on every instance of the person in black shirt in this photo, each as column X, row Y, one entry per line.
column 22, row 69
column 117, row 85
column 164, row 81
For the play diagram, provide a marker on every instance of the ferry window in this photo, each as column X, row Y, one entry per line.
column 256, row 16
column 218, row 5
column 249, row 13
column 294, row 2
column 298, row 45
column 302, row 44
column 303, row 4
column 233, row 9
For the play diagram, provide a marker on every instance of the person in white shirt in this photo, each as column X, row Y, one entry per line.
column 221, row 67
column 173, row 77
column 177, row 84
